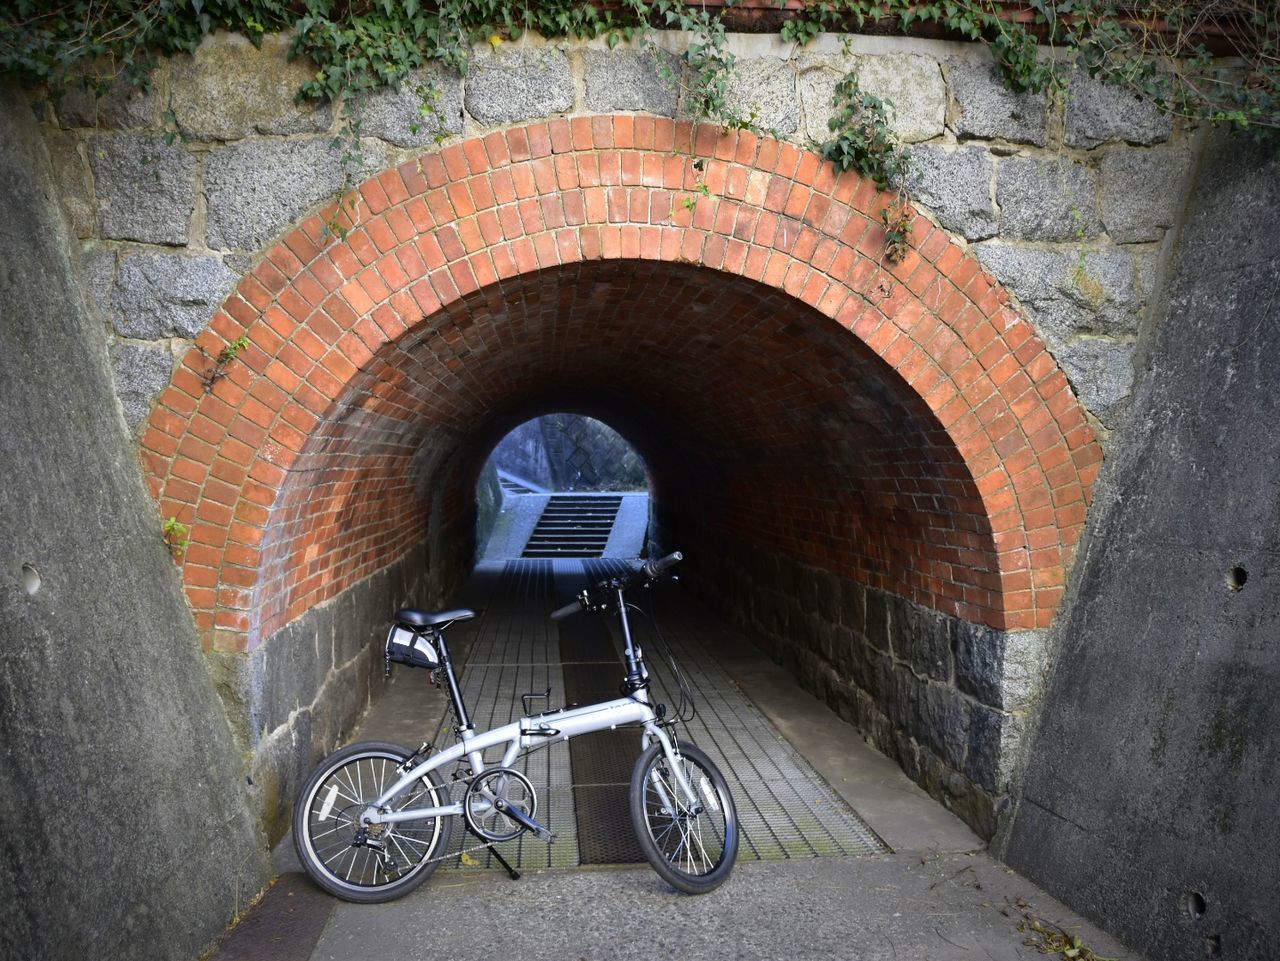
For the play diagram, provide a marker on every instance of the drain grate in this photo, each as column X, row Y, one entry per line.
column 786, row 810
column 604, row 827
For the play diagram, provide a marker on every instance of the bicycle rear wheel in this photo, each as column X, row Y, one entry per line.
column 326, row 826
column 691, row 846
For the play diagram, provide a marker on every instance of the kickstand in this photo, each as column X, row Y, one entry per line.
column 511, row 872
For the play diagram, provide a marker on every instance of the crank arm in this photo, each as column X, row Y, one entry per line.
column 517, row 815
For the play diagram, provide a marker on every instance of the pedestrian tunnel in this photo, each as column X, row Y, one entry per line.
column 875, row 469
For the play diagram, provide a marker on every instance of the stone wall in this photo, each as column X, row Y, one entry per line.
column 296, row 696
column 570, row 452
column 174, row 192
column 1149, row 799
column 125, row 830
column 948, row 699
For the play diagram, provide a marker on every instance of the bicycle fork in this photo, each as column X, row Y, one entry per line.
column 671, row 750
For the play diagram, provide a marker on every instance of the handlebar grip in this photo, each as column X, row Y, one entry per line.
column 652, row 568
column 572, row 607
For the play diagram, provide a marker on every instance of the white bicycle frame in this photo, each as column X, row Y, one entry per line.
column 537, row 730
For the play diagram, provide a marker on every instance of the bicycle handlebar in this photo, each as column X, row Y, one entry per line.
column 652, row 567
column 572, row 607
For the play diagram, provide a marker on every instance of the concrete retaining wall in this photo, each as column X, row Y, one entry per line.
column 1149, row 800
column 125, row 828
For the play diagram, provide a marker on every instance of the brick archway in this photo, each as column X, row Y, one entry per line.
column 288, row 470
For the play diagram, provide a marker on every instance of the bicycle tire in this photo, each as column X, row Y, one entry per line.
column 694, row 853
column 339, row 789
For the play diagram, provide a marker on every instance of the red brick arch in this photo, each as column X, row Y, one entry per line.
column 338, row 329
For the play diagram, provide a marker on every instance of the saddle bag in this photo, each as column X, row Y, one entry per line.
column 412, row 646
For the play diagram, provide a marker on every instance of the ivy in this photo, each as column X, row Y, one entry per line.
column 863, row 140
column 95, row 42
column 1153, row 47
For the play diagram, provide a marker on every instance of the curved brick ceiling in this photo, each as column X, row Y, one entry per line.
column 901, row 425
column 760, row 417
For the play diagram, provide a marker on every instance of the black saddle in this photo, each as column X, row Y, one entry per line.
column 417, row 618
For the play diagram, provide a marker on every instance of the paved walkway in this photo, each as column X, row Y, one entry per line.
column 936, row 896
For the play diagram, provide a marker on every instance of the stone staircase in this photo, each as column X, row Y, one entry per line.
column 513, row 487
column 574, row 525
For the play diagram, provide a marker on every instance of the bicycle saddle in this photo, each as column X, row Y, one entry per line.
column 417, row 618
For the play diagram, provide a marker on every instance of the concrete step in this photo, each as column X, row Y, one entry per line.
column 575, row 525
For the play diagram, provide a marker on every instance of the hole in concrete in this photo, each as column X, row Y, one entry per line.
column 1213, row 946
column 30, row 579
column 1194, row 902
column 1236, row 578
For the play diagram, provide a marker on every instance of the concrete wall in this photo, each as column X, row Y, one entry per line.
column 523, row 452
column 125, row 830
column 1149, row 799
column 489, row 499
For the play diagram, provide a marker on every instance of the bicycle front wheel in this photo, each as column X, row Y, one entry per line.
column 691, row 844
column 373, row 865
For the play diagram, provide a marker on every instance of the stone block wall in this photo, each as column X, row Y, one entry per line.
column 947, row 699
column 173, row 193
column 296, row 696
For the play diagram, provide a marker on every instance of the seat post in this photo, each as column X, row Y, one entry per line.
column 455, row 692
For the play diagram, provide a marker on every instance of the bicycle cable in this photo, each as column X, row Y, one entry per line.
column 687, row 709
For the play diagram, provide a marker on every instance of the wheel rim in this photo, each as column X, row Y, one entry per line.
column 691, row 839
column 333, row 813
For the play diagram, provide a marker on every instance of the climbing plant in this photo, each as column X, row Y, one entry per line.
column 862, row 139
column 1160, row 49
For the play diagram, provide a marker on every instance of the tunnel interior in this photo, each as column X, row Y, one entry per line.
column 819, row 502
column 874, row 467
column 765, row 426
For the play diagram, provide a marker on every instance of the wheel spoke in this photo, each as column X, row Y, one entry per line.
column 690, row 841
column 329, row 847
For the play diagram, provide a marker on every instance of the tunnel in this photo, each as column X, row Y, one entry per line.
column 873, row 466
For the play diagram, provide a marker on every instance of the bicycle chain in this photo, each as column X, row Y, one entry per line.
column 456, row 854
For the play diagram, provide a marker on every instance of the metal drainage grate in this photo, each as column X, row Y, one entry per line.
column 786, row 810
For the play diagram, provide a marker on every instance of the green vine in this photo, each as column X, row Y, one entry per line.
column 862, row 139
column 1159, row 49
column 1156, row 48
column 896, row 218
